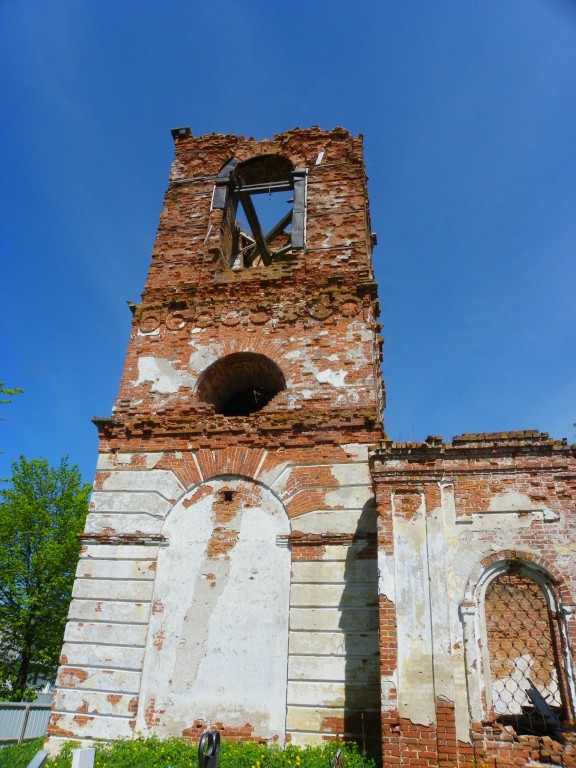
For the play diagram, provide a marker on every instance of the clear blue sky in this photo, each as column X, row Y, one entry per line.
column 469, row 115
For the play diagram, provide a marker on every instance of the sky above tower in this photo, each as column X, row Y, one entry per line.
column 468, row 112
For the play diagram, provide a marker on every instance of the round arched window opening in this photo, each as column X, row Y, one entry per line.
column 241, row 383
column 526, row 663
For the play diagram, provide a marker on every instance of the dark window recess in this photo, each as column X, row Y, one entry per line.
column 241, row 383
column 247, row 401
column 264, row 204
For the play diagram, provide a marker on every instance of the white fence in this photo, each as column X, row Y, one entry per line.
column 22, row 720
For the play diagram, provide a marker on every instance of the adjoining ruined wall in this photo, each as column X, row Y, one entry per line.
column 450, row 519
column 228, row 573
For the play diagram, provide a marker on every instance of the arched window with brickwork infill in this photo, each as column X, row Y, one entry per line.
column 525, row 649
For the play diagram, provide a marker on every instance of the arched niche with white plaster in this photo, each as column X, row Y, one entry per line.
column 217, row 642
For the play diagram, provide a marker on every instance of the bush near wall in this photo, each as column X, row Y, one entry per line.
column 175, row 753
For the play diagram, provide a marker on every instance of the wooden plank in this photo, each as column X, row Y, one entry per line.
column 254, row 223
column 274, row 232
column 299, row 214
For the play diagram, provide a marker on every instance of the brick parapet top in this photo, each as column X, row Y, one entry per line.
column 213, row 149
column 473, row 446
column 184, row 134
column 199, row 159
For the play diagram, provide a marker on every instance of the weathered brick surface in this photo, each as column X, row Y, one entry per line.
column 270, row 574
column 312, row 313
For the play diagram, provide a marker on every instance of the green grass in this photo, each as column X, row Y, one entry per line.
column 175, row 753
column 18, row 756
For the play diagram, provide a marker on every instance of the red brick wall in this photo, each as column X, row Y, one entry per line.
column 310, row 306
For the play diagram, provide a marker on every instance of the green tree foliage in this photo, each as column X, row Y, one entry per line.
column 4, row 390
column 41, row 512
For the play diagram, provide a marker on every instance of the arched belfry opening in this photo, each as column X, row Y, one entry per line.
column 263, row 169
column 264, row 202
column 241, row 383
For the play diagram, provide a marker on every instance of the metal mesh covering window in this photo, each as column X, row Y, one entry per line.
column 523, row 647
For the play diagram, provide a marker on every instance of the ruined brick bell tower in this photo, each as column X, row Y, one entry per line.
column 228, row 572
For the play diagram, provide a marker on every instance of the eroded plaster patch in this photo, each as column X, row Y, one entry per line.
column 164, row 377
column 152, row 459
column 352, row 497
column 386, row 576
column 356, row 451
column 416, row 696
column 202, row 357
column 330, row 376
column 351, row 474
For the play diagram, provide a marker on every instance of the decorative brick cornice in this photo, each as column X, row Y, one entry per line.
column 286, row 428
column 255, row 308
column 138, row 539
column 314, row 539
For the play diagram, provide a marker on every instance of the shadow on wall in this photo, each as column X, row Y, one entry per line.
column 359, row 624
